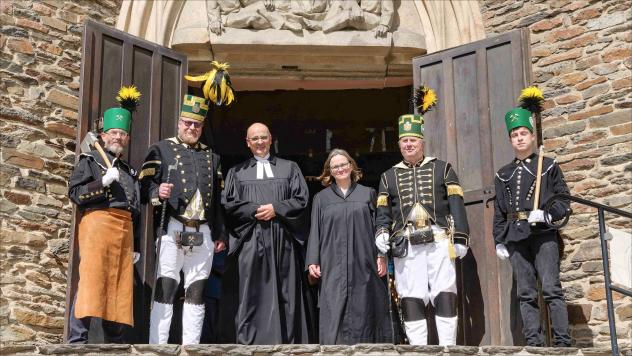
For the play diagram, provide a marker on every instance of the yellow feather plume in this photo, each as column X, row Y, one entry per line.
column 532, row 99
column 531, row 92
column 429, row 100
column 129, row 97
column 424, row 98
column 217, row 86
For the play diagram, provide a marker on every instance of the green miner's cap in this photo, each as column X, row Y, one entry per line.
column 194, row 107
column 117, row 118
column 519, row 117
column 411, row 125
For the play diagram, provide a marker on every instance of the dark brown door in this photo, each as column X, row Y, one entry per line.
column 476, row 84
column 110, row 59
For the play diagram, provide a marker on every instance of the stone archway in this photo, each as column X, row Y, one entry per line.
column 271, row 59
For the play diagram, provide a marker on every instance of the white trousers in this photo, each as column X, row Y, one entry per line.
column 196, row 264
column 425, row 272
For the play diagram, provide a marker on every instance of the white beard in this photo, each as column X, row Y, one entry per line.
column 117, row 150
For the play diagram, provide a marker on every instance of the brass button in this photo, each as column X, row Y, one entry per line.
column 184, row 181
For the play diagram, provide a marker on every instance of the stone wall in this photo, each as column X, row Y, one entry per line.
column 40, row 62
column 581, row 59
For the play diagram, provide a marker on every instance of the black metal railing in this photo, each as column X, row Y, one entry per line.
column 603, row 237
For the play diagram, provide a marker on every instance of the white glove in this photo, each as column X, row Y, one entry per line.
column 501, row 252
column 536, row 216
column 381, row 241
column 111, row 175
column 135, row 257
column 461, row 250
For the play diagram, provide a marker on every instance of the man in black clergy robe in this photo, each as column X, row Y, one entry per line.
column 265, row 198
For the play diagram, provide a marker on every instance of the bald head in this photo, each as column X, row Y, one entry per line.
column 259, row 139
column 257, row 127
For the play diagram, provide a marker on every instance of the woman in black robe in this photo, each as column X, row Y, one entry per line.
column 342, row 257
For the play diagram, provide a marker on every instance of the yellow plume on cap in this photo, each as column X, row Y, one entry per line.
column 216, row 84
column 425, row 98
column 128, row 97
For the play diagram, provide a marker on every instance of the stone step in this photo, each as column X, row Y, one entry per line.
column 303, row 350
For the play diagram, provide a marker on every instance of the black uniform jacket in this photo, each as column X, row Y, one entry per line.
column 86, row 190
column 515, row 188
column 431, row 182
column 197, row 168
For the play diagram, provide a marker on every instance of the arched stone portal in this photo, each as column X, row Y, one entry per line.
column 265, row 55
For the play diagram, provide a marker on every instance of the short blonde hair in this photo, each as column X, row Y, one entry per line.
column 326, row 179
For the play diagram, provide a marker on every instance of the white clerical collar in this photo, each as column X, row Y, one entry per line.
column 262, row 159
column 263, row 165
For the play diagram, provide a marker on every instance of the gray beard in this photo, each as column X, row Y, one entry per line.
column 117, row 150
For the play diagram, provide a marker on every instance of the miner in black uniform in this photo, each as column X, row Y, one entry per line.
column 192, row 195
column 521, row 235
column 421, row 217
column 109, row 202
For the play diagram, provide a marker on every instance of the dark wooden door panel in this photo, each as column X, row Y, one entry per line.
column 110, row 59
column 476, row 84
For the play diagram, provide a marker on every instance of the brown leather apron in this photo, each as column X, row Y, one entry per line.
column 106, row 275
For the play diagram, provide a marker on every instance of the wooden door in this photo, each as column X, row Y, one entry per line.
column 476, row 84
column 110, row 59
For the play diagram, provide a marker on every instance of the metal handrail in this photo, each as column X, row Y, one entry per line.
column 604, row 252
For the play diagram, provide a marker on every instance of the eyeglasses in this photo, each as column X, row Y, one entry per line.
column 258, row 138
column 340, row 166
column 113, row 133
column 194, row 124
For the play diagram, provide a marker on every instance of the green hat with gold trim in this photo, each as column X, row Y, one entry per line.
column 117, row 118
column 411, row 125
column 424, row 99
column 194, row 107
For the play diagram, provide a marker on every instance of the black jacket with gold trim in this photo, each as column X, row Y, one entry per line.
column 431, row 182
column 515, row 186
column 198, row 168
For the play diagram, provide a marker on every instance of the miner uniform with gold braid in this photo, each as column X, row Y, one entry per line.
column 193, row 197
column 421, row 216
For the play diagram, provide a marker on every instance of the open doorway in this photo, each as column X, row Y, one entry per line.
column 306, row 125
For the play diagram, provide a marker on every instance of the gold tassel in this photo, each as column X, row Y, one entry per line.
column 451, row 250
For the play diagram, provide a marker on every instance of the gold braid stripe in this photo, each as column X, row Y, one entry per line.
column 455, row 189
column 147, row 172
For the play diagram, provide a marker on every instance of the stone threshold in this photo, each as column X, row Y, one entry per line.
column 302, row 350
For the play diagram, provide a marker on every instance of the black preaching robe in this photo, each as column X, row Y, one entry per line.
column 353, row 300
column 272, row 284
